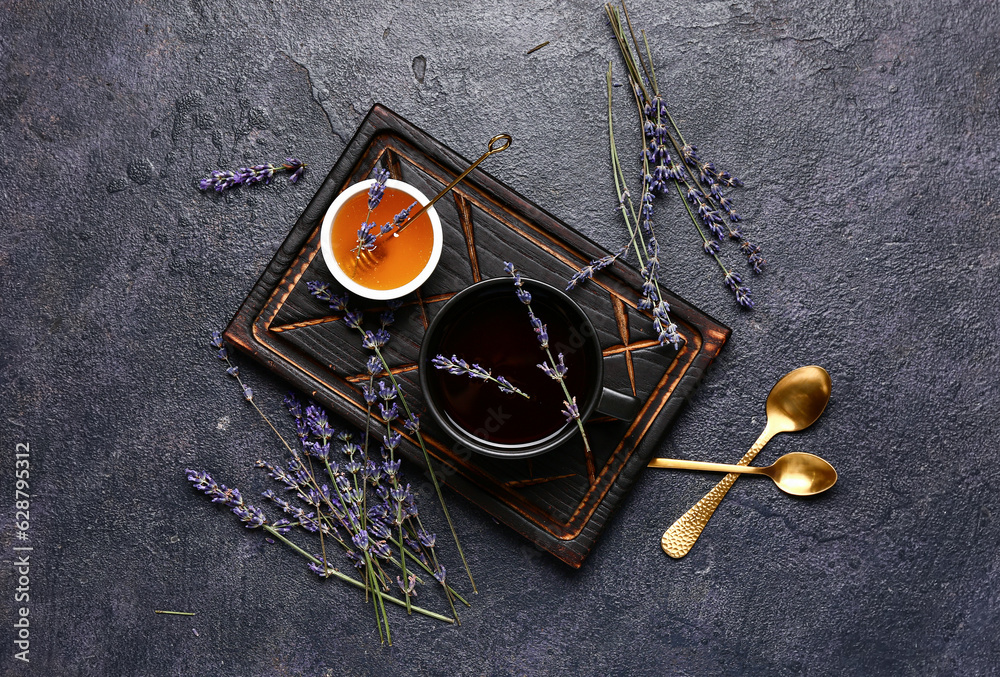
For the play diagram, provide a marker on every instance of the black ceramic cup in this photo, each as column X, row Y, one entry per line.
column 486, row 324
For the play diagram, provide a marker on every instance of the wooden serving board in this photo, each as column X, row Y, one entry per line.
column 551, row 499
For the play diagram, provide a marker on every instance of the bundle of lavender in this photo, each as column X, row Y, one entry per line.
column 668, row 163
column 349, row 495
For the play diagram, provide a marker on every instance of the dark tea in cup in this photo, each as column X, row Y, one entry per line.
column 486, row 324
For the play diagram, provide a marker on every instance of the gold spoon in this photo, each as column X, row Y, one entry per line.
column 794, row 403
column 798, row 473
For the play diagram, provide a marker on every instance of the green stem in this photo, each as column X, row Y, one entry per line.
column 616, row 28
column 399, row 512
column 649, row 58
column 352, row 581
column 619, row 177
column 415, row 558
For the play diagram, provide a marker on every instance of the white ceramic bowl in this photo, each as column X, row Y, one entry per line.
column 326, row 242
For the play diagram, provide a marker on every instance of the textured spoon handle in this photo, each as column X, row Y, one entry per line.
column 682, row 534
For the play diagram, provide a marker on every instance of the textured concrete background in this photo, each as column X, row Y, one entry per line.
column 866, row 134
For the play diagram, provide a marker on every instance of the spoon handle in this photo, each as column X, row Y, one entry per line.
column 679, row 464
column 682, row 534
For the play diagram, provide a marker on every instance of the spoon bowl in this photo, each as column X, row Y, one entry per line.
column 801, row 474
column 797, row 473
column 798, row 399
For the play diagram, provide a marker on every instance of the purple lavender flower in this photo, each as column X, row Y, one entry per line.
column 360, row 539
column 522, row 293
column 699, row 180
column 387, row 392
column 293, row 405
column 426, row 538
column 407, row 588
column 295, row 166
column 231, row 498
column 377, row 189
column 257, row 174
column 319, row 422
column 338, row 302
column 392, row 440
column 320, row 450
column 352, row 319
column 318, row 569
column 343, row 483
column 541, row 330
column 366, row 239
column 743, row 297
column 369, row 394
column 403, row 215
column 221, row 180
column 587, row 272
column 508, row 388
column 320, row 290
column 381, row 549
column 754, row 256
column 666, row 332
column 378, row 530
column 412, row 424
column 556, row 371
column 375, row 339
column 570, row 410
column 389, row 413
column 356, row 559
column 460, row 367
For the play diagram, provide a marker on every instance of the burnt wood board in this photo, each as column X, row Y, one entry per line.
column 560, row 500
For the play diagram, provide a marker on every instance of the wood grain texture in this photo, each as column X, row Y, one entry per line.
column 549, row 499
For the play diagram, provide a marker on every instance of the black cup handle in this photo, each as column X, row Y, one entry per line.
column 618, row 405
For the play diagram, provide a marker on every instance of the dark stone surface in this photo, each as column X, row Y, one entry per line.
column 865, row 134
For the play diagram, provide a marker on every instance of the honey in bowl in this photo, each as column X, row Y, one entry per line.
column 396, row 260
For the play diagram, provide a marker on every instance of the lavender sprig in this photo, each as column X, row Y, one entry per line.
column 700, row 183
column 232, row 499
column 459, row 367
column 369, row 233
column 556, row 370
column 366, row 238
column 646, row 247
column 411, row 422
column 332, row 509
column 597, row 265
column 221, row 180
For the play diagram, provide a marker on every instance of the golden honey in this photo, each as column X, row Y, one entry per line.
column 395, row 261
